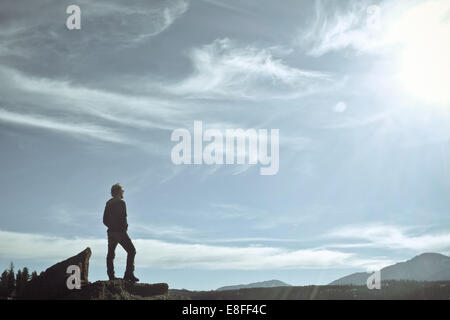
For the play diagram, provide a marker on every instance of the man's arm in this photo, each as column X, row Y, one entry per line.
column 124, row 208
column 124, row 212
column 106, row 216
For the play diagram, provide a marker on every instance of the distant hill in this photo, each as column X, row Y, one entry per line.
column 263, row 284
column 424, row 267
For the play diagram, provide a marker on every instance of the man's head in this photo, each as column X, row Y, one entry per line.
column 117, row 191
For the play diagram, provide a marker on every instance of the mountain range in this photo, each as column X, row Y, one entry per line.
column 262, row 284
column 424, row 267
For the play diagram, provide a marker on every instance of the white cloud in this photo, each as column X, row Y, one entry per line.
column 160, row 254
column 226, row 70
column 393, row 237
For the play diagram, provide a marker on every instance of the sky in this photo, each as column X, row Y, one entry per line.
column 359, row 91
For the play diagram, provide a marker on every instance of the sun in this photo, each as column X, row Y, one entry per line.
column 425, row 73
column 424, row 52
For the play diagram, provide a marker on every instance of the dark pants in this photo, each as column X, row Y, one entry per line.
column 124, row 240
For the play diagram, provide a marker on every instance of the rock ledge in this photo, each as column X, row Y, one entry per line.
column 52, row 284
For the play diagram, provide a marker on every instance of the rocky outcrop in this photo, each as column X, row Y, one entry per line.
column 120, row 290
column 52, row 284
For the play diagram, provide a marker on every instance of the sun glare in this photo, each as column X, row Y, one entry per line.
column 424, row 51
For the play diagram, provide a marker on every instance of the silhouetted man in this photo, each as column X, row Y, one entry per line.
column 115, row 218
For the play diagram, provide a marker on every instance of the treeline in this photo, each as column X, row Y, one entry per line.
column 390, row 290
column 12, row 283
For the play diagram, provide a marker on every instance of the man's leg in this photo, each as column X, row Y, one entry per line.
column 112, row 244
column 126, row 243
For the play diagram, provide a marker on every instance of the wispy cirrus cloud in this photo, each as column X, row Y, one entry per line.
column 76, row 110
column 260, row 219
column 37, row 121
column 226, row 70
column 354, row 122
column 164, row 231
column 109, row 25
column 138, row 22
column 355, row 25
column 139, row 111
column 228, row 6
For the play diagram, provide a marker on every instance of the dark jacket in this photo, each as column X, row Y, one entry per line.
column 115, row 215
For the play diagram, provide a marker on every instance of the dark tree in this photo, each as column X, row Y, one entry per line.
column 4, row 285
column 25, row 275
column 22, row 277
column 34, row 275
column 11, row 282
column 19, row 282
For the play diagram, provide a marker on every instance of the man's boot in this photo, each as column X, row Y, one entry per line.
column 111, row 276
column 130, row 277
